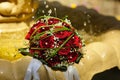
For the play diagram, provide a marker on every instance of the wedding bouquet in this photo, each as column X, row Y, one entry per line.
column 54, row 42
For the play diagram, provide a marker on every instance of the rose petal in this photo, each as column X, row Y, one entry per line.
column 66, row 24
column 72, row 56
column 47, row 42
column 63, row 34
column 33, row 28
column 53, row 21
column 53, row 61
column 74, row 41
column 64, row 51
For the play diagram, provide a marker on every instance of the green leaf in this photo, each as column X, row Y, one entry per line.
column 61, row 29
column 79, row 57
column 61, row 68
column 43, row 61
column 35, row 55
column 37, row 36
column 65, row 17
column 24, row 51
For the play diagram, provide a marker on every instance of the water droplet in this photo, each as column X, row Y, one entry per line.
column 46, row 6
column 49, row 12
column 33, row 17
column 45, row 2
column 55, row 9
column 55, row 12
column 85, row 23
column 88, row 15
column 43, row 11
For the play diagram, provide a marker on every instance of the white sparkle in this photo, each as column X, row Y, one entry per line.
column 55, row 42
column 43, row 11
column 51, row 21
column 85, row 23
column 50, row 11
column 71, row 57
column 43, row 28
column 46, row 6
column 45, row 2
column 57, row 46
column 46, row 43
column 53, row 45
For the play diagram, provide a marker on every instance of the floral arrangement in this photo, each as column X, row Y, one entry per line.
column 54, row 42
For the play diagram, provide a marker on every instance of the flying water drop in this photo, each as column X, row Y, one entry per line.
column 49, row 12
column 45, row 2
column 43, row 11
column 46, row 6
column 85, row 24
column 55, row 12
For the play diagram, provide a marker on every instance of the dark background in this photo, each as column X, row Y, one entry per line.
column 95, row 21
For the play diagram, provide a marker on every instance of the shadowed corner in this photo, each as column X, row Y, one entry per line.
column 112, row 74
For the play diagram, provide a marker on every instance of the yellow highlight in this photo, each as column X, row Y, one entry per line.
column 118, row 17
column 9, row 53
column 73, row 5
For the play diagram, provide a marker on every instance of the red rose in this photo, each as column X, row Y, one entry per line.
column 44, row 29
column 72, row 57
column 28, row 36
column 33, row 28
column 74, row 41
column 63, row 34
column 32, row 51
column 66, row 24
column 53, row 21
column 64, row 51
column 47, row 42
column 53, row 61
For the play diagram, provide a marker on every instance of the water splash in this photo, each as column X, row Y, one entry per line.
column 43, row 11
column 55, row 10
column 49, row 12
column 45, row 2
column 85, row 23
column 46, row 6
